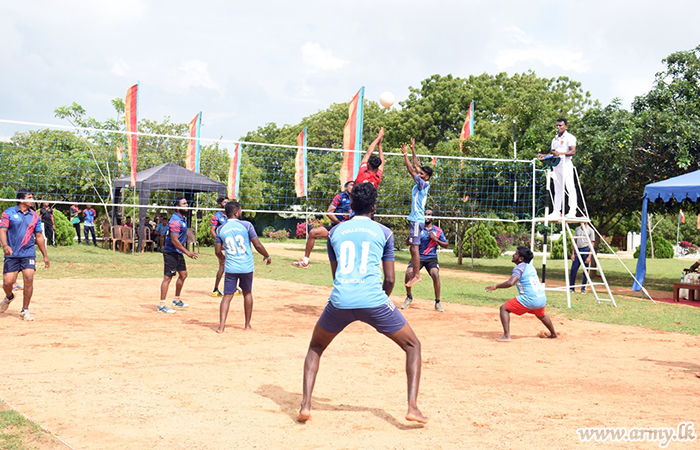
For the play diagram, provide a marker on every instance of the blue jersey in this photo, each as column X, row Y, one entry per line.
column 89, row 215
column 235, row 236
column 359, row 246
column 419, row 195
column 177, row 225
column 218, row 219
column 531, row 291
column 428, row 247
column 342, row 205
column 21, row 227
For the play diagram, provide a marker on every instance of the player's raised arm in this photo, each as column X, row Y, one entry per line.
column 373, row 145
column 381, row 151
column 409, row 166
column 416, row 163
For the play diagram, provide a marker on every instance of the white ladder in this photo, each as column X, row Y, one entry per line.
column 586, row 270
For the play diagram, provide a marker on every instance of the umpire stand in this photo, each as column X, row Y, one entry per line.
column 567, row 233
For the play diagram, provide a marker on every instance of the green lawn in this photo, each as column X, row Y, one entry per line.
column 90, row 262
column 18, row 433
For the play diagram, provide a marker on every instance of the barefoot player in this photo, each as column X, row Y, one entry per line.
column 234, row 239
column 419, row 195
column 358, row 249
column 531, row 299
column 339, row 204
column 173, row 259
column 19, row 228
column 372, row 166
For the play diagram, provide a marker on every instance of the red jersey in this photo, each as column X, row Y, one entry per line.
column 364, row 175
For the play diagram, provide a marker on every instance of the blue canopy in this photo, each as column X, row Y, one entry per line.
column 679, row 188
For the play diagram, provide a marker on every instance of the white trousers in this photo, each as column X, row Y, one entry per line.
column 564, row 178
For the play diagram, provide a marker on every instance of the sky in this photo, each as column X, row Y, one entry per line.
column 246, row 64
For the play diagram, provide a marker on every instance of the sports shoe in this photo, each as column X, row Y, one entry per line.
column 166, row 310
column 438, row 307
column 5, row 304
column 180, row 304
column 571, row 215
column 583, row 291
column 25, row 315
column 407, row 302
column 17, row 287
column 301, row 264
column 554, row 216
column 238, row 292
column 216, row 293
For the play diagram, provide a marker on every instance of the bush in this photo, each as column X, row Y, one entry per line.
column 203, row 235
column 485, row 245
column 64, row 231
column 279, row 236
column 400, row 237
column 558, row 248
column 301, row 227
column 267, row 230
column 662, row 249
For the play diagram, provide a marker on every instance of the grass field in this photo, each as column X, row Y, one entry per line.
column 90, row 262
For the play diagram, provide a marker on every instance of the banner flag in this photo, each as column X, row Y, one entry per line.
column 193, row 144
column 352, row 139
column 130, row 114
column 681, row 217
column 300, row 172
column 468, row 127
column 234, row 174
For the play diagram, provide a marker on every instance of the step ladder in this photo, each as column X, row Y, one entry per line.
column 575, row 240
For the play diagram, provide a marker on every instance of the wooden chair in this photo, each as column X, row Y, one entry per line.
column 116, row 236
column 191, row 239
column 106, row 234
column 147, row 240
column 127, row 238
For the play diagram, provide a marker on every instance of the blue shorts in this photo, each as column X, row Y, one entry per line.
column 415, row 229
column 386, row 319
column 231, row 281
column 18, row 264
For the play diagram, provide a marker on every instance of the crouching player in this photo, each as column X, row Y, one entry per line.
column 531, row 299
column 234, row 239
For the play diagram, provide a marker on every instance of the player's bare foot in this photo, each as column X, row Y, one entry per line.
column 304, row 415
column 413, row 281
column 219, row 330
column 248, row 327
column 553, row 335
column 503, row 339
column 414, row 415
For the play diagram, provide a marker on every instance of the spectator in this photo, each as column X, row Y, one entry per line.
column 89, row 215
column 75, row 219
column 46, row 214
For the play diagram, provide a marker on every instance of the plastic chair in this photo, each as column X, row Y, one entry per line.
column 147, row 240
column 191, row 239
column 106, row 234
column 116, row 236
column 127, row 238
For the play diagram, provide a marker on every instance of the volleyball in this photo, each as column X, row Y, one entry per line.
column 386, row 99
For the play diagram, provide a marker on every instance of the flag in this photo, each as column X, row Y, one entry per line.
column 193, row 145
column 468, row 127
column 300, row 174
column 130, row 114
column 698, row 221
column 120, row 153
column 352, row 139
column 234, row 174
column 681, row 217
column 434, row 161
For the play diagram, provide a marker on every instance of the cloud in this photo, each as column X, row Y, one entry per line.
column 317, row 59
column 119, row 67
column 526, row 48
column 191, row 74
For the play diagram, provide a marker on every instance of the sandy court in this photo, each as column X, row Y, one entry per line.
column 100, row 368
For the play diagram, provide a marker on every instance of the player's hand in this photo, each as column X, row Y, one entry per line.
column 46, row 263
column 403, row 149
column 573, row 257
column 268, row 260
column 380, row 135
column 432, row 236
column 540, row 156
column 491, row 288
column 588, row 260
column 413, row 144
column 193, row 255
column 7, row 250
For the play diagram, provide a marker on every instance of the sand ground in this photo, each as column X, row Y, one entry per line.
column 101, row 369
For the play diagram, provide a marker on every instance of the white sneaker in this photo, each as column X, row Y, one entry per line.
column 180, row 304
column 438, row 307
column 166, row 310
column 571, row 215
column 407, row 302
column 5, row 304
column 25, row 315
column 554, row 216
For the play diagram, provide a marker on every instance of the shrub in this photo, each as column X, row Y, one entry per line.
column 558, row 248
column 279, row 236
column 662, row 249
column 203, row 235
column 485, row 245
column 301, row 227
column 267, row 230
column 400, row 237
column 64, row 231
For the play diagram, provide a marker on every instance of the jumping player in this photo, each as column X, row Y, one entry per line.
column 532, row 298
column 216, row 221
column 20, row 226
column 358, row 249
column 372, row 166
column 419, row 195
column 430, row 238
column 173, row 259
column 235, row 237
column 340, row 204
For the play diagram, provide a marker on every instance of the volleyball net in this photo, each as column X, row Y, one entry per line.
column 70, row 165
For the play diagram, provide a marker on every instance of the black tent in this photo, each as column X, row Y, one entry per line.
column 169, row 177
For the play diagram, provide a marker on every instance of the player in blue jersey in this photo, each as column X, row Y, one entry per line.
column 430, row 238
column 233, row 244
column 173, row 259
column 358, row 250
column 89, row 215
column 419, row 195
column 339, row 205
column 20, row 227
column 531, row 298
column 216, row 221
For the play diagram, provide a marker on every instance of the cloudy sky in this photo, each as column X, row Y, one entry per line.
column 245, row 64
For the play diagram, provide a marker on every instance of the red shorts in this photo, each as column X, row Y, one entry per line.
column 514, row 306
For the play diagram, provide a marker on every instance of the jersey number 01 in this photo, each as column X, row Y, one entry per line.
column 347, row 257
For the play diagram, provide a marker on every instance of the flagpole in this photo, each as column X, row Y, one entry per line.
column 678, row 230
